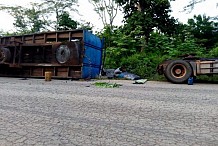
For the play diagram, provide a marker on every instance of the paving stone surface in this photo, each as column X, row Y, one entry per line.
column 77, row 113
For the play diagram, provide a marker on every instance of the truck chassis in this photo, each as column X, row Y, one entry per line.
column 179, row 71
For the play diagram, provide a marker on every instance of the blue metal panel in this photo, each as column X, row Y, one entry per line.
column 92, row 59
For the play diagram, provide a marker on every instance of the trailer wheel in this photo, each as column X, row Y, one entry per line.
column 63, row 54
column 5, row 55
column 178, row 71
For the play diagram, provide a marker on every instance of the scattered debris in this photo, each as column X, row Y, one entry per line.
column 129, row 76
column 109, row 73
column 107, row 85
column 140, row 81
column 120, row 73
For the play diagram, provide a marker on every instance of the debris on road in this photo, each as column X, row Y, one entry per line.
column 107, row 85
column 140, row 81
column 120, row 73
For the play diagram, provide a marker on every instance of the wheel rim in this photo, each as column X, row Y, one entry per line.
column 178, row 71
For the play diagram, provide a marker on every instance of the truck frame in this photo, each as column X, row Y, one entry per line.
column 179, row 71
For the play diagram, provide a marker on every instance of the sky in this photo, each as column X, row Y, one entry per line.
column 87, row 13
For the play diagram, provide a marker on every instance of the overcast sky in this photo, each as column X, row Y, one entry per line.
column 86, row 10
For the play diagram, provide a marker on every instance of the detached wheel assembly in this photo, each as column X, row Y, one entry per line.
column 5, row 55
column 178, row 71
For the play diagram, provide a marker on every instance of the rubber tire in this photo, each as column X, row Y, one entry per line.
column 170, row 77
column 7, row 55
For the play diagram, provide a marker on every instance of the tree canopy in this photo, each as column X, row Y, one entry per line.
column 147, row 15
column 27, row 20
column 59, row 8
column 65, row 22
column 204, row 30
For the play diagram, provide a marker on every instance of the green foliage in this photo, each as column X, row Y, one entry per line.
column 118, row 45
column 107, row 85
column 208, row 79
column 204, row 30
column 58, row 8
column 38, row 17
column 148, row 14
column 27, row 20
column 35, row 18
column 213, row 53
column 159, row 43
column 85, row 25
column 171, row 47
column 66, row 23
column 189, row 46
column 142, row 64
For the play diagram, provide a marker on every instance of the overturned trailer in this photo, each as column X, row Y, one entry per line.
column 66, row 54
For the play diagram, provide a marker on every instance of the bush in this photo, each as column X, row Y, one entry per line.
column 213, row 52
column 142, row 64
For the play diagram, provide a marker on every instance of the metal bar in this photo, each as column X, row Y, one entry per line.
column 70, row 34
column 20, row 53
column 209, row 68
column 56, row 37
column 15, row 54
column 33, row 39
column 54, row 71
column 45, row 38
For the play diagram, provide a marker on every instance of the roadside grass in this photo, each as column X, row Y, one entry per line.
column 207, row 79
column 107, row 85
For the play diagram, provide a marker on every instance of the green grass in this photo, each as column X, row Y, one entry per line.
column 107, row 85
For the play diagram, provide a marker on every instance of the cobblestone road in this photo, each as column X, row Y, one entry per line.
column 73, row 113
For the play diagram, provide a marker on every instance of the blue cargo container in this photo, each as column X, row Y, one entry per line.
column 92, row 60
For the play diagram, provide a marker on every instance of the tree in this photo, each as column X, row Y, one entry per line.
column 147, row 15
column 19, row 15
column 27, row 20
column 66, row 23
column 107, row 11
column 58, row 8
column 36, row 18
column 85, row 25
column 204, row 30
